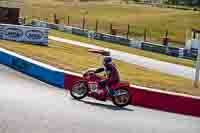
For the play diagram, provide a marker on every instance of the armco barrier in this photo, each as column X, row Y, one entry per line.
column 194, row 52
column 111, row 38
column 79, row 31
column 33, row 68
column 83, row 32
column 173, row 51
column 154, row 99
column 181, row 52
column 153, row 47
column 52, row 26
column 37, row 23
column 135, row 44
column 68, row 29
column 177, row 52
column 188, row 54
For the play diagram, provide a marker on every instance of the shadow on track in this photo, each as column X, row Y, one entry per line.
column 111, row 107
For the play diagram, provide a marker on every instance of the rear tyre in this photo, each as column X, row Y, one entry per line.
column 122, row 100
column 79, row 90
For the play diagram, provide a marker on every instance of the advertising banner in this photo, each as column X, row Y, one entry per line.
column 1, row 31
column 181, row 52
column 52, row 26
column 112, row 38
column 68, row 29
column 154, row 47
column 91, row 34
column 35, row 35
column 173, row 51
column 37, row 23
column 135, row 44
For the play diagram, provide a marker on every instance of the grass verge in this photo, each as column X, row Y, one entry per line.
column 135, row 51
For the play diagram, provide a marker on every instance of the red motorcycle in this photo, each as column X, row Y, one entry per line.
column 90, row 86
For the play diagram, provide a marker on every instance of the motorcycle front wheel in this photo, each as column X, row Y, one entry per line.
column 79, row 90
column 121, row 100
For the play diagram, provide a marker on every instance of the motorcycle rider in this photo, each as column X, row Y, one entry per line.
column 111, row 73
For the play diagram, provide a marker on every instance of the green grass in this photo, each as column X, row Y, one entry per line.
column 78, row 59
column 135, row 51
column 155, row 19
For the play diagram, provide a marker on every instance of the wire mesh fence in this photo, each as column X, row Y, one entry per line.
column 139, row 32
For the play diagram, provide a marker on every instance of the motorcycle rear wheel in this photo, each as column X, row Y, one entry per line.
column 79, row 90
column 123, row 100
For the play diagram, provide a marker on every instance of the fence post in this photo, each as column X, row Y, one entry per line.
column 111, row 27
column 64, row 20
column 165, row 39
column 128, row 32
column 24, row 21
column 83, row 23
column 193, row 35
column 145, row 34
column 68, row 20
column 55, row 19
column 166, row 34
column 96, row 26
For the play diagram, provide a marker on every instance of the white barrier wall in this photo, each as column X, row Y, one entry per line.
column 41, row 71
column 36, row 35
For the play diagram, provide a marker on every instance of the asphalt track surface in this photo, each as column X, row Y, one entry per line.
column 31, row 106
column 161, row 66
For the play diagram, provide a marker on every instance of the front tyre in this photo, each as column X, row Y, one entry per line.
column 79, row 90
column 121, row 100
